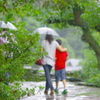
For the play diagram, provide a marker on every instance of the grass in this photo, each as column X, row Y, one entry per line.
column 40, row 70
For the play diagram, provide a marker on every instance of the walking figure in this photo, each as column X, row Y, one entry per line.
column 60, row 67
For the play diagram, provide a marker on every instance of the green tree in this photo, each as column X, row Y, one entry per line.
column 83, row 14
column 90, row 72
column 31, row 23
column 22, row 49
column 25, row 49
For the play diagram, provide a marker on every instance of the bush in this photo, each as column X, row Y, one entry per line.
column 15, row 92
column 90, row 72
column 25, row 49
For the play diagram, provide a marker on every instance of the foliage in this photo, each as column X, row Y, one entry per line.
column 31, row 23
column 92, row 13
column 96, row 35
column 90, row 72
column 22, row 49
column 95, row 79
column 20, row 52
column 90, row 59
column 10, row 92
column 15, row 92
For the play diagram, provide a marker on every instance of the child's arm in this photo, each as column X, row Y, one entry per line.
column 61, row 49
column 67, row 58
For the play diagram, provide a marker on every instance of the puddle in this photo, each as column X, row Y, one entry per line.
column 75, row 92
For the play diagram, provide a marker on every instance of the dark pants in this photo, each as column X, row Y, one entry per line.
column 47, row 69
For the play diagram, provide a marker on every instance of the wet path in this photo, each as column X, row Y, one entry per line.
column 75, row 92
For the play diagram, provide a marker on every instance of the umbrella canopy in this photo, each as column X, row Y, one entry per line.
column 8, row 25
column 11, row 26
column 2, row 24
column 46, row 30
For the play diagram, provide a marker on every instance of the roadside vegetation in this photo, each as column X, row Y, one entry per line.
column 89, row 72
column 34, row 76
column 26, row 48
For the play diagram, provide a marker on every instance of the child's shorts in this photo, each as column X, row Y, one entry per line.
column 60, row 74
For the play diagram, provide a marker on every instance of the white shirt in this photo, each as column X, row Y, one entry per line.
column 50, row 49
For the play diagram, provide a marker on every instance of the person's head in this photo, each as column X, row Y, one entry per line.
column 59, row 41
column 49, row 38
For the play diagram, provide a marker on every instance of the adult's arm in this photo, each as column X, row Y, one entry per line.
column 61, row 49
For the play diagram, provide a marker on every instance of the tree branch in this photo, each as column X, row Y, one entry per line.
column 97, row 27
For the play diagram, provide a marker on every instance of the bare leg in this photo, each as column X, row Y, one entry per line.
column 57, row 85
column 64, row 83
column 65, row 89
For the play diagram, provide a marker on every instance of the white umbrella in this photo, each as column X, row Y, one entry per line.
column 2, row 24
column 11, row 26
column 46, row 30
column 8, row 25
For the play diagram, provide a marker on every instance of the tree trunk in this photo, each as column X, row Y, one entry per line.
column 93, row 43
column 86, row 32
